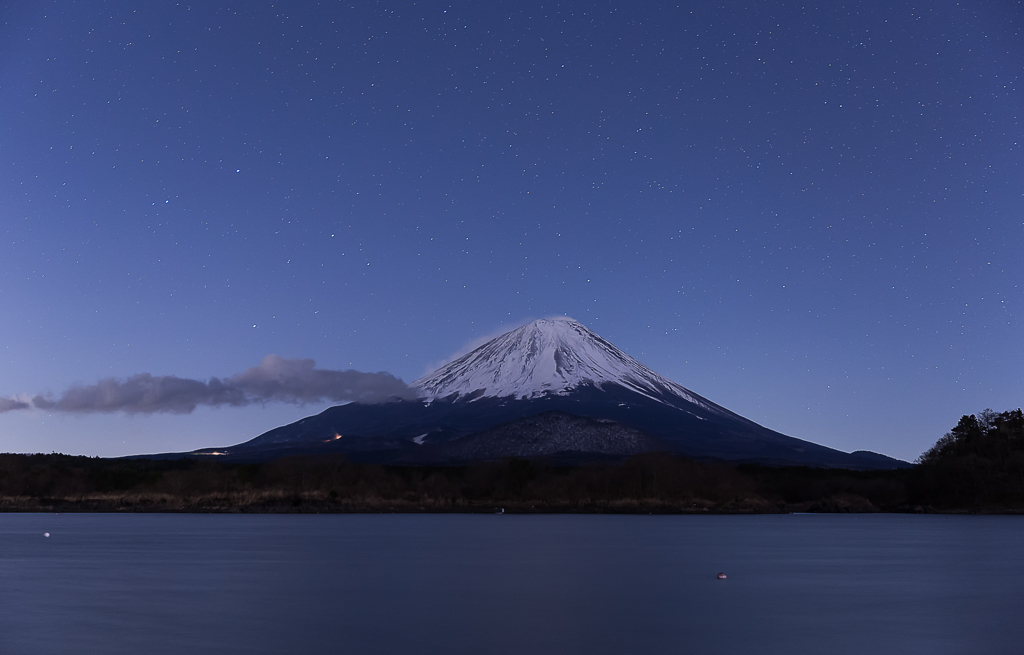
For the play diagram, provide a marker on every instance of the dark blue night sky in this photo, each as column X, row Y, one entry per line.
column 813, row 216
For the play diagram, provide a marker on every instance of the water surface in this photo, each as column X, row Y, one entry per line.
column 453, row 584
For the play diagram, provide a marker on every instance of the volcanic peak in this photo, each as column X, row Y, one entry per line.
column 548, row 356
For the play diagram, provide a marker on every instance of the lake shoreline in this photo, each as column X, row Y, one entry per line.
column 655, row 483
column 318, row 505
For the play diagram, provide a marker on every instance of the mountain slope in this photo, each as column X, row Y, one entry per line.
column 554, row 366
column 569, row 438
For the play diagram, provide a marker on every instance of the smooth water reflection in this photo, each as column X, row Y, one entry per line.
column 146, row 583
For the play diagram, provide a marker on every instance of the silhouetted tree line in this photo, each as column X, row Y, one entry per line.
column 977, row 466
column 653, row 482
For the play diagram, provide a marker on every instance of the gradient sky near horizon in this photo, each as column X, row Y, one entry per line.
column 812, row 215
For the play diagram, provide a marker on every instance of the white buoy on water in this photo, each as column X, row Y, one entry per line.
column 722, row 576
column 46, row 534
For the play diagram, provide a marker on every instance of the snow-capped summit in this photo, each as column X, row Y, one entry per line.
column 548, row 356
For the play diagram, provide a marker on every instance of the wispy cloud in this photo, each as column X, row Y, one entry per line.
column 11, row 404
column 298, row 381
column 276, row 379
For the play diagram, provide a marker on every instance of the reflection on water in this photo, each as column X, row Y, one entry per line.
column 454, row 584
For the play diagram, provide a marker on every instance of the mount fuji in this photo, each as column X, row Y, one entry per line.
column 549, row 357
column 549, row 388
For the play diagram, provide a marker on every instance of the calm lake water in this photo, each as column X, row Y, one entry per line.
column 452, row 584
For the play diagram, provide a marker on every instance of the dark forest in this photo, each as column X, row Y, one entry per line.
column 977, row 467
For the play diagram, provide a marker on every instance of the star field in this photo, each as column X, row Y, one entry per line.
column 813, row 216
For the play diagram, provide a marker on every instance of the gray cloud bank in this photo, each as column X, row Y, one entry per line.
column 276, row 379
column 9, row 404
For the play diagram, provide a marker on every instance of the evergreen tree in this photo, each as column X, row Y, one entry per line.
column 987, row 434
